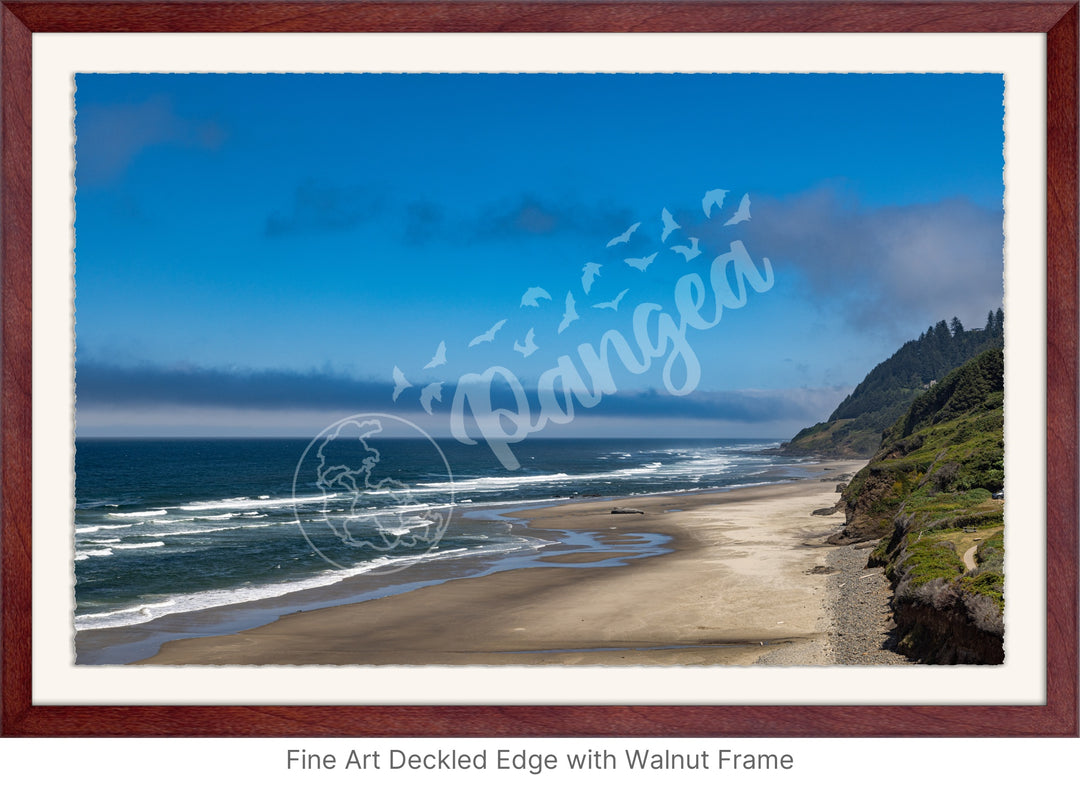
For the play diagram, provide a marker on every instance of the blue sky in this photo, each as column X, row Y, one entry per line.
column 255, row 254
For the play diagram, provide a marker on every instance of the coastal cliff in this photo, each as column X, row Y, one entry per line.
column 855, row 428
column 931, row 496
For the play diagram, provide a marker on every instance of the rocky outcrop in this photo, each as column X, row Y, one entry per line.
column 945, row 636
column 926, row 491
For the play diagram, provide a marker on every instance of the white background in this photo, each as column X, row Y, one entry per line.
column 258, row 765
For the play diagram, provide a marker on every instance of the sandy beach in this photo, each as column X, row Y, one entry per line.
column 738, row 584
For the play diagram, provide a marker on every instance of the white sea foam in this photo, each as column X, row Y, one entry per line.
column 90, row 620
column 510, row 483
column 187, row 603
column 217, row 529
column 262, row 502
column 137, row 514
column 680, row 468
column 94, row 527
column 409, row 524
column 85, row 554
column 140, row 546
column 190, row 532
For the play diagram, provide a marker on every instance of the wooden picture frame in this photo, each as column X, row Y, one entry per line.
column 1057, row 20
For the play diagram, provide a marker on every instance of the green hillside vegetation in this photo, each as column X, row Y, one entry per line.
column 927, row 496
column 855, row 427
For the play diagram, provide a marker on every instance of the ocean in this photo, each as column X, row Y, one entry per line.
column 180, row 526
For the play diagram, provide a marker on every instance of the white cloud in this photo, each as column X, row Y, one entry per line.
column 905, row 266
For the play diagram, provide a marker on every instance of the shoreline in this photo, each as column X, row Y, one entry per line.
column 734, row 585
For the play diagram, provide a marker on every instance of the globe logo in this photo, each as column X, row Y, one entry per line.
column 372, row 490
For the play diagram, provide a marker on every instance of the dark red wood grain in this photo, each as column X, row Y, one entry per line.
column 1061, row 361
column 15, row 288
column 314, row 17
column 1057, row 718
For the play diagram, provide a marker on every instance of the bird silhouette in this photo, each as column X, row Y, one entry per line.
column 532, row 294
column 624, row 237
column 742, row 213
column 400, row 383
column 440, row 356
column 528, row 347
column 570, row 314
column 691, row 252
column 712, row 197
column 669, row 225
column 641, row 263
column 590, row 273
column 489, row 335
column 613, row 304
column 432, row 392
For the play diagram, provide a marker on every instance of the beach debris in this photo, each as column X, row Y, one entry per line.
column 621, row 510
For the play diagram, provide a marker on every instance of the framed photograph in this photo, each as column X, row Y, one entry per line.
column 539, row 369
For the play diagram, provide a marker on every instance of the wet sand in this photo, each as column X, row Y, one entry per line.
column 735, row 586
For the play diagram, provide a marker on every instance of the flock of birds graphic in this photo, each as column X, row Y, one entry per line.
column 531, row 299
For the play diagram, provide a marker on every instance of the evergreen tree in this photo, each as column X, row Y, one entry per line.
column 888, row 389
column 886, row 393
